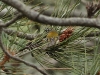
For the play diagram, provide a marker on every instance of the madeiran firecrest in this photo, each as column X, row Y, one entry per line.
column 52, row 34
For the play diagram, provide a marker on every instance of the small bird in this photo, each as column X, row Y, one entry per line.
column 52, row 37
column 52, row 34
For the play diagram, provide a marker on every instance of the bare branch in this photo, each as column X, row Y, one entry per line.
column 16, row 58
column 35, row 16
column 19, row 34
column 58, row 68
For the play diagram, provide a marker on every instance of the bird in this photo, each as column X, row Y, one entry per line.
column 52, row 37
column 52, row 34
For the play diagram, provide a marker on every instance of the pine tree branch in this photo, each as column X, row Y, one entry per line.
column 35, row 16
column 19, row 34
column 28, row 36
column 48, row 12
column 16, row 58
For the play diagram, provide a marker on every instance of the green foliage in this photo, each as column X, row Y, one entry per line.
column 73, row 52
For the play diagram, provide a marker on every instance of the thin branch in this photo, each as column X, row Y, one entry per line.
column 58, row 68
column 18, row 16
column 19, row 34
column 16, row 58
column 35, row 16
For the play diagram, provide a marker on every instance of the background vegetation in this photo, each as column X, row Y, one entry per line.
column 68, row 50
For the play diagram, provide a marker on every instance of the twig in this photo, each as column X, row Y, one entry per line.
column 58, row 68
column 19, row 34
column 32, row 15
column 16, row 58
